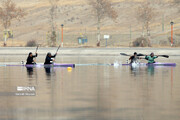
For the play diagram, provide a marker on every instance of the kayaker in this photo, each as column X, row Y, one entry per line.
column 151, row 58
column 134, row 58
column 30, row 59
column 49, row 58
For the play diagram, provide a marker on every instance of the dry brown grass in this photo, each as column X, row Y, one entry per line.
column 13, row 43
column 35, row 25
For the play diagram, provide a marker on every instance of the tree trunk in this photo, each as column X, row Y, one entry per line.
column 5, row 36
column 147, row 28
column 143, row 30
column 99, row 33
column 53, row 24
column 5, row 39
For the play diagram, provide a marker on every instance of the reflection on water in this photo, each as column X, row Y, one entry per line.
column 29, row 70
column 91, row 92
column 151, row 70
column 135, row 70
column 48, row 70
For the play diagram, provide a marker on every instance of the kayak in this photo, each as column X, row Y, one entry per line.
column 138, row 64
column 48, row 65
column 92, row 64
column 151, row 64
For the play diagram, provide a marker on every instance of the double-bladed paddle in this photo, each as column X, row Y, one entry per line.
column 124, row 54
column 166, row 56
column 37, row 48
column 58, row 49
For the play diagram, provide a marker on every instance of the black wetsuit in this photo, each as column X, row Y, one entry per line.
column 48, row 59
column 30, row 59
column 133, row 59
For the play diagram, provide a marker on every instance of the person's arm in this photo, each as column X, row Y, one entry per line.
column 146, row 57
column 35, row 55
column 156, row 56
column 130, row 58
column 54, row 55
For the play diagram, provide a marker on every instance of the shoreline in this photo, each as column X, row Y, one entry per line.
column 88, row 51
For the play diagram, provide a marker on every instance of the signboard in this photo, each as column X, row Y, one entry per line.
column 106, row 36
column 8, row 34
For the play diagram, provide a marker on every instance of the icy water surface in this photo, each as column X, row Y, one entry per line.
column 90, row 92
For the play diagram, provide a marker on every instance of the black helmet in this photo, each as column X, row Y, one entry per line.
column 135, row 53
column 151, row 54
column 30, row 53
column 48, row 53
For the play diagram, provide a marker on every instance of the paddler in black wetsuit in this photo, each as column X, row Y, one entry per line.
column 134, row 58
column 49, row 59
column 30, row 59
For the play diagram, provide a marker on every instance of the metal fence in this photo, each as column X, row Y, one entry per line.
column 71, row 39
column 114, row 40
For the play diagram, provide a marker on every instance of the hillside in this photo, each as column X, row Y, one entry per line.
column 77, row 17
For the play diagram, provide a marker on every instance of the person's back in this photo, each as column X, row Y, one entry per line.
column 49, row 59
column 134, row 58
column 30, row 59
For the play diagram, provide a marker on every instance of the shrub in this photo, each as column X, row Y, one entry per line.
column 141, row 42
column 174, row 40
column 31, row 43
column 163, row 43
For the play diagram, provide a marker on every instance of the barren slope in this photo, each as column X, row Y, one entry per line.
column 77, row 17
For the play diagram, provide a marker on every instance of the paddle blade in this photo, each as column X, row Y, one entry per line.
column 140, row 54
column 124, row 54
column 166, row 56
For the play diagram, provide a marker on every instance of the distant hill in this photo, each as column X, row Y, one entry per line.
column 77, row 17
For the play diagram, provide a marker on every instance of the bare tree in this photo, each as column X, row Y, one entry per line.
column 53, row 16
column 176, row 1
column 145, row 14
column 9, row 12
column 102, row 9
